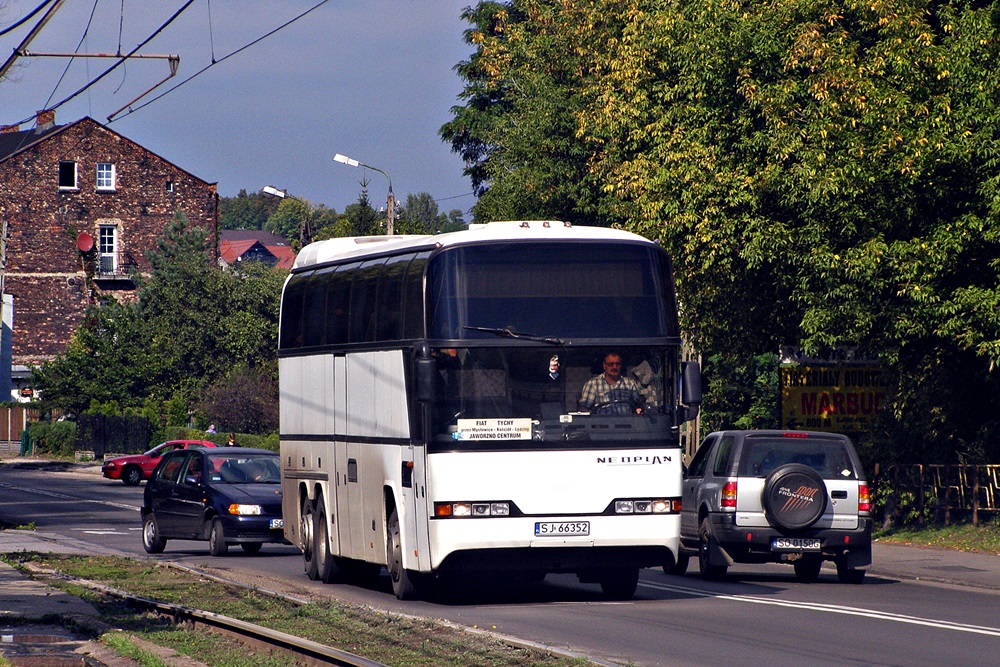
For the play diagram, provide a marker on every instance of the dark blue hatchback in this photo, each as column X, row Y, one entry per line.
column 226, row 495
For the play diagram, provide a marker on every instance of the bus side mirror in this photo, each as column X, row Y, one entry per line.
column 690, row 391
column 426, row 371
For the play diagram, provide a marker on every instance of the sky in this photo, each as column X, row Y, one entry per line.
column 370, row 79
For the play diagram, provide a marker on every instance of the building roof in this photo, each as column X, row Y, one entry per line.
column 232, row 251
column 264, row 237
column 13, row 143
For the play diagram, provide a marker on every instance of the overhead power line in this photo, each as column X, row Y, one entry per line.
column 216, row 62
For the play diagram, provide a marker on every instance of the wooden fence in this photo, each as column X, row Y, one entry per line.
column 921, row 493
column 13, row 419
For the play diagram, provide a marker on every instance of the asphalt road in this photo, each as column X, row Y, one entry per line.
column 758, row 616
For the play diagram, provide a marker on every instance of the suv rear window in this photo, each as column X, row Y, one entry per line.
column 828, row 457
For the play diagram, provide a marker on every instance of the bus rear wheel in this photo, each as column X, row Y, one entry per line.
column 403, row 584
column 306, row 524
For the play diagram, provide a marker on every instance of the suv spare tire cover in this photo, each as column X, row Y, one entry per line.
column 794, row 497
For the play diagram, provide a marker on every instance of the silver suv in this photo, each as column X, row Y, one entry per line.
column 794, row 497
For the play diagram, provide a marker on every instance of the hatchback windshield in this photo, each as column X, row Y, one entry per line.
column 244, row 469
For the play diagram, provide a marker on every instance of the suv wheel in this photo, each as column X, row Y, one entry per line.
column 680, row 567
column 807, row 569
column 849, row 575
column 794, row 497
column 706, row 545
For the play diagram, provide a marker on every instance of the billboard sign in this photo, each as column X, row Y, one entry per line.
column 837, row 398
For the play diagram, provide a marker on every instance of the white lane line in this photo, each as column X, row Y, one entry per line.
column 834, row 609
column 63, row 496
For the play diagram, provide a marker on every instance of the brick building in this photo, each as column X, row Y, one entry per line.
column 80, row 205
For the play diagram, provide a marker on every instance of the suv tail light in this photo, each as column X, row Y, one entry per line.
column 729, row 495
column 864, row 498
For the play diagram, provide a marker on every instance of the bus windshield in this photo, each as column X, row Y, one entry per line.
column 538, row 397
column 580, row 290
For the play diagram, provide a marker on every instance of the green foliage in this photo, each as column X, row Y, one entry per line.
column 56, row 438
column 517, row 130
column 245, row 400
column 823, row 172
column 246, row 211
column 740, row 394
column 289, row 219
column 189, row 324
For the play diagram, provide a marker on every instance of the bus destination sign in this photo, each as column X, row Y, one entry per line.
column 493, row 429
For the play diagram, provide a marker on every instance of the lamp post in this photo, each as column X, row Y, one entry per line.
column 390, row 219
column 305, row 229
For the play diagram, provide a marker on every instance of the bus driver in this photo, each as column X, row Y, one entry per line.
column 611, row 393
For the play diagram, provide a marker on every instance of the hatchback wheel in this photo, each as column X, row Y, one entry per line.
column 132, row 475
column 151, row 540
column 217, row 539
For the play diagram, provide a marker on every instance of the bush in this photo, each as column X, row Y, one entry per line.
column 267, row 441
column 55, row 438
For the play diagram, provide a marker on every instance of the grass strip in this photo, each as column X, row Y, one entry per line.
column 384, row 637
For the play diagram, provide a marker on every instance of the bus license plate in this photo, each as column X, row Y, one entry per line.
column 558, row 528
column 795, row 544
column 277, row 523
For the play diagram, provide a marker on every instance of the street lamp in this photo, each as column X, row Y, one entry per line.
column 305, row 229
column 390, row 200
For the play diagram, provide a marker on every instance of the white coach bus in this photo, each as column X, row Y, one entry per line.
column 434, row 416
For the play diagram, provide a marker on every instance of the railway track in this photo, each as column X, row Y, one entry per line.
column 299, row 651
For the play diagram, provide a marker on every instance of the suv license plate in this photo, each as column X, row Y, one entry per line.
column 559, row 528
column 795, row 544
column 277, row 523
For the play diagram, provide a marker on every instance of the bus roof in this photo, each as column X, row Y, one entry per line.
column 359, row 247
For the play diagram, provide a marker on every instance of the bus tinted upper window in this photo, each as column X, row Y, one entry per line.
column 579, row 290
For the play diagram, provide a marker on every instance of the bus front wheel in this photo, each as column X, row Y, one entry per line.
column 620, row 583
column 403, row 584
column 326, row 565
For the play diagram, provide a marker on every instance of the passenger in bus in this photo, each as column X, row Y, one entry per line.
column 612, row 393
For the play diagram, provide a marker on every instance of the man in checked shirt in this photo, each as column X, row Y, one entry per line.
column 611, row 393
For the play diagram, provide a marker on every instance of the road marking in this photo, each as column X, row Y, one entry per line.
column 833, row 609
column 63, row 496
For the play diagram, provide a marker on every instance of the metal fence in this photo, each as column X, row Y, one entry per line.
column 920, row 493
column 102, row 434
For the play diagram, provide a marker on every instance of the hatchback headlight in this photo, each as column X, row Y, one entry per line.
column 244, row 510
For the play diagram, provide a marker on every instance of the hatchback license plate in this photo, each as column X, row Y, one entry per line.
column 277, row 523
column 795, row 544
column 560, row 528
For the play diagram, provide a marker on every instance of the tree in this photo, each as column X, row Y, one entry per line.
column 189, row 325
column 518, row 131
column 246, row 211
column 290, row 218
column 363, row 220
column 823, row 172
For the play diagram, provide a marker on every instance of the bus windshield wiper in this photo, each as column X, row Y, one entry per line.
column 507, row 332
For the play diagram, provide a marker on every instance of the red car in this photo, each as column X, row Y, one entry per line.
column 134, row 468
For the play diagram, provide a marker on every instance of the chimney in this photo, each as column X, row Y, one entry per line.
column 45, row 119
column 4, row 129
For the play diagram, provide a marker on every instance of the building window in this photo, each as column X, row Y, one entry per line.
column 105, row 176
column 170, row 186
column 67, row 175
column 107, row 248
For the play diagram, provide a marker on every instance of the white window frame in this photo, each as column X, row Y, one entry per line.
column 76, row 175
column 106, row 176
column 107, row 249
